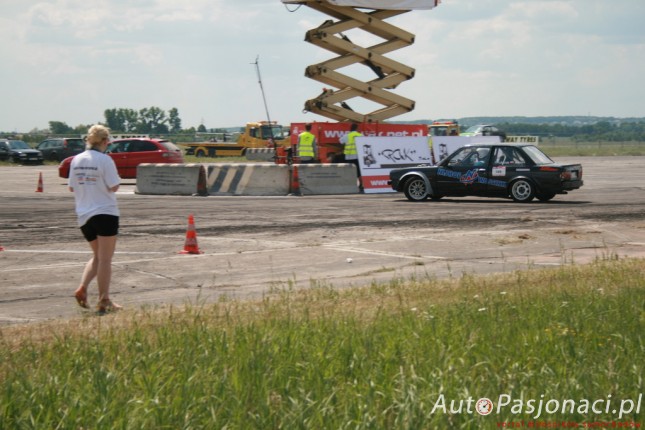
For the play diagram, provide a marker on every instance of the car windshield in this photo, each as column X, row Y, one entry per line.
column 18, row 144
column 473, row 129
column 537, row 156
column 169, row 145
column 438, row 130
column 272, row 131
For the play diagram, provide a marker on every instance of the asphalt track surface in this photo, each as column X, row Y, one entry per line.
column 254, row 245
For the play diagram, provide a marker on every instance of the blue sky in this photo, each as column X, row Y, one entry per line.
column 69, row 60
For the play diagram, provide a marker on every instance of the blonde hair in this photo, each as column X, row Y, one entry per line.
column 96, row 134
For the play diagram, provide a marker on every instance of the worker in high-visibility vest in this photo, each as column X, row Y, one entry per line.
column 307, row 150
column 349, row 149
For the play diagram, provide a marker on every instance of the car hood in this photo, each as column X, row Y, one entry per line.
column 25, row 151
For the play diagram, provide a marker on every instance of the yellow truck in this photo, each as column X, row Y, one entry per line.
column 444, row 128
column 261, row 134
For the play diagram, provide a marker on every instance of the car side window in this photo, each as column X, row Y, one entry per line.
column 133, row 146
column 141, row 146
column 138, row 146
column 76, row 143
column 120, row 147
column 461, row 157
column 508, row 157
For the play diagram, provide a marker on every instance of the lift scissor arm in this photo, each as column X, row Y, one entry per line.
column 370, row 17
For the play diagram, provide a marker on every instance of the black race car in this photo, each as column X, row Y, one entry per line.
column 520, row 172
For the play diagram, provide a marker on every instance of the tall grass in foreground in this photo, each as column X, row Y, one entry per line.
column 380, row 357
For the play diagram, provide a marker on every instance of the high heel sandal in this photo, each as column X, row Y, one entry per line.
column 81, row 298
column 106, row 306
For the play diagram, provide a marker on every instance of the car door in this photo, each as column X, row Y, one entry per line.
column 119, row 153
column 4, row 150
column 140, row 151
column 45, row 148
column 507, row 163
column 465, row 172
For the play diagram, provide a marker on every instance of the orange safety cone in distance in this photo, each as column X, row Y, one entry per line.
column 40, row 183
column 190, row 246
column 294, row 186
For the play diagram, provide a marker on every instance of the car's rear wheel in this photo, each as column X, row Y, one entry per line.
column 522, row 191
column 415, row 189
column 200, row 153
column 545, row 197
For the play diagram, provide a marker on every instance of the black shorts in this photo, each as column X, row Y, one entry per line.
column 100, row 225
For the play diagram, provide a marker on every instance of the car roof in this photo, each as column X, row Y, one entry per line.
column 146, row 139
column 514, row 145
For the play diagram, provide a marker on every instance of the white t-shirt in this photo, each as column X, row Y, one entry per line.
column 91, row 175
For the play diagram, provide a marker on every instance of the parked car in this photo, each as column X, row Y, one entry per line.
column 520, row 172
column 18, row 151
column 129, row 153
column 59, row 148
column 484, row 130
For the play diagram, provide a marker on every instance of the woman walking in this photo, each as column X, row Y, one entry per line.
column 94, row 180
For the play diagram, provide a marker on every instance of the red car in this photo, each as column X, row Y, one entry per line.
column 129, row 153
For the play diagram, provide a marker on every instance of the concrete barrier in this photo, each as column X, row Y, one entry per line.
column 260, row 154
column 174, row 179
column 259, row 179
column 327, row 179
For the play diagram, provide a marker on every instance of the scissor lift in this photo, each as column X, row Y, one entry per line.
column 370, row 17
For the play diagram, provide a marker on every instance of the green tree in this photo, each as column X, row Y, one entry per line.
column 81, row 129
column 201, row 128
column 174, row 121
column 58, row 127
column 152, row 120
column 121, row 120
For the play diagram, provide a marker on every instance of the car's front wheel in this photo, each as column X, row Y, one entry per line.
column 522, row 191
column 415, row 189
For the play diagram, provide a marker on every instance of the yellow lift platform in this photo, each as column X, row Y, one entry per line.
column 370, row 17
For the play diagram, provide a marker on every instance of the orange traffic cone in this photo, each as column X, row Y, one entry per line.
column 40, row 183
column 190, row 246
column 294, row 185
